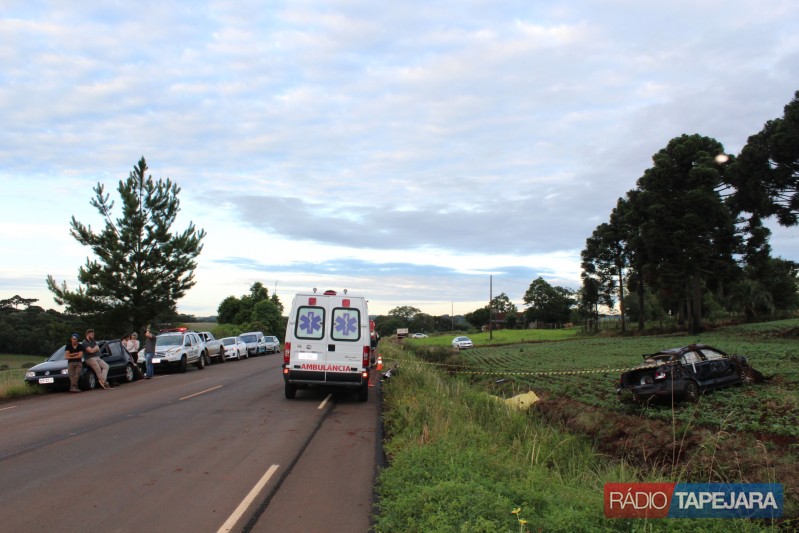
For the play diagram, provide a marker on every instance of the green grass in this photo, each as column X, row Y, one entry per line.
column 544, row 366
column 459, row 461
column 502, row 336
column 12, row 374
column 200, row 326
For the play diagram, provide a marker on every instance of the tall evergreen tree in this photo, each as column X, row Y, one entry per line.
column 633, row 212
column 605, row 259
column 141, row 269
column 766, row 173
column 689, row 232
column 765, row 179
column 589, row 300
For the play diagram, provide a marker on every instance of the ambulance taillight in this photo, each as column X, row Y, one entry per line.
column 287, row 353
column 366, row 353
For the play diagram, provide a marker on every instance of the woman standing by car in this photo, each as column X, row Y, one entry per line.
column 134, row 340
column 132, row 346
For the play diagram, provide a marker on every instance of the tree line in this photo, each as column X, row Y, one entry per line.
column 256, row 311
column 690, row 237
column 29, row 329
column 546, row 305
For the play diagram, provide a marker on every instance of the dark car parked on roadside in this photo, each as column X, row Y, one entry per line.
column 52, row 374
column 685, row 373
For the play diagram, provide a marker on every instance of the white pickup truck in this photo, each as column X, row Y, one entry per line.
column 213, row 347
column 178, row 348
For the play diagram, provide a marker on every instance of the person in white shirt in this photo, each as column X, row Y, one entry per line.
column 133, row 345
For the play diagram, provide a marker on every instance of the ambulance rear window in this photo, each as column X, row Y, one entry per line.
column 346, row 324
column 310, row 323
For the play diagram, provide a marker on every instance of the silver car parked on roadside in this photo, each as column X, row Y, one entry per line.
column 255, row 343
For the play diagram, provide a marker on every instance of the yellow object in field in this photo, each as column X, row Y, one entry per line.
column 522, row 401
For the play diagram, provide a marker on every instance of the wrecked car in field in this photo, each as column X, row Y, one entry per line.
column 685, row 373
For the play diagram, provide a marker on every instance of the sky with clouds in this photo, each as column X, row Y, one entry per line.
column 408, row 151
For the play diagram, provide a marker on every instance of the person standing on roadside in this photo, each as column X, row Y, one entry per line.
column 133, row 345
column 92, row 357
column 73, row 352
column 149, row 353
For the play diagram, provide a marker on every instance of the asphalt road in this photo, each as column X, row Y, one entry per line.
column 214, row 450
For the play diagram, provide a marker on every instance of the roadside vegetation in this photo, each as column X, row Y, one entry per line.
column 499, row 337
column 459, row 460
column 12, row 375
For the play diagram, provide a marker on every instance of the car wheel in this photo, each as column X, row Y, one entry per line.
column 291, row 391
column 748, row 376
column 221, row 355
column 692, row 392
column 183, row 365
column 200, row 364
column 89, row 381
column 130, row 374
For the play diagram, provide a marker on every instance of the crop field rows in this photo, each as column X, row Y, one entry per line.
column 744, row 433
column 770, row 407
column 580, row 431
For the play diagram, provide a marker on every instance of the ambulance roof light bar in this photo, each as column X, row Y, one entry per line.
column 329, row 292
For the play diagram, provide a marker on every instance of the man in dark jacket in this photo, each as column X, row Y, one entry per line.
column 74, row 356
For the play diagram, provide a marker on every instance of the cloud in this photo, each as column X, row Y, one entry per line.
column 447, row 136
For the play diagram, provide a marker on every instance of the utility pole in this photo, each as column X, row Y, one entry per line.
column 490, row 307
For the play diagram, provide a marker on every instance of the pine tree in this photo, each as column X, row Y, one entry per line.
column 140, row 269
column 688, row 230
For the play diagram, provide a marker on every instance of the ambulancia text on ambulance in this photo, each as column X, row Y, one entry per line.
column 328, row 343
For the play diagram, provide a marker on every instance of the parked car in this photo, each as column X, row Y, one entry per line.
column 235, row 348
column 255, row 343
column 52, row 374
column 418, row 336
column 461, row 343
column 177, row 350
column 685, row 373
column 213, row 348
column 271, row 344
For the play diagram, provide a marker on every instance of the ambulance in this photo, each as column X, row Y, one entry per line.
column 328, row 343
